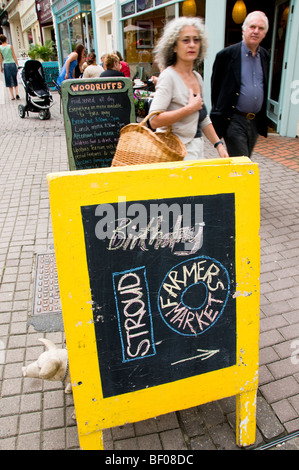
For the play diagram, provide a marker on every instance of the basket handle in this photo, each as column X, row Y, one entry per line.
column 149, row 116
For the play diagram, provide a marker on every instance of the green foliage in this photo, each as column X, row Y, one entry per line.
column 33, row 51
column 44, row 52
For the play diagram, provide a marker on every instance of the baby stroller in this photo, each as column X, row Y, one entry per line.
column 38, row 96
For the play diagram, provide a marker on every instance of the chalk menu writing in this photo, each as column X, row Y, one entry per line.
column 94, row 112
column 162, row 278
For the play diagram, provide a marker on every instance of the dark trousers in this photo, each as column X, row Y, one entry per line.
column 241, row 136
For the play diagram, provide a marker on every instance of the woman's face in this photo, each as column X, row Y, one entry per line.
column 117, row 66
column 188, row 44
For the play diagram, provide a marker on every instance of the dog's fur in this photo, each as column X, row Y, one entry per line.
column 51, row 365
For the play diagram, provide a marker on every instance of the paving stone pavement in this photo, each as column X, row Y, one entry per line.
column 36, row 414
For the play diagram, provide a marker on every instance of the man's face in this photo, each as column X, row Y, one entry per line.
column 255, row 32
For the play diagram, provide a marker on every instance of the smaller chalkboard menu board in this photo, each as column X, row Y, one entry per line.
column 94, row 112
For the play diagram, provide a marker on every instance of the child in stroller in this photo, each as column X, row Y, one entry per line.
column 38, row 96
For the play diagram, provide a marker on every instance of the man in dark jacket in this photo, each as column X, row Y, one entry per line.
column 239, row 88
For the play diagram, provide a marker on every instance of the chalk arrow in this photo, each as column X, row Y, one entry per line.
column 205, row 354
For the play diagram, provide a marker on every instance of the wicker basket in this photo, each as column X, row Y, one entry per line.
column 138, row 144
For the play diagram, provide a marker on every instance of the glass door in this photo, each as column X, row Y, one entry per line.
column 277, row 65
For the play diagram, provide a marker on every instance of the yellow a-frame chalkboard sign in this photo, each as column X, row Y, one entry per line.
column 158, row 269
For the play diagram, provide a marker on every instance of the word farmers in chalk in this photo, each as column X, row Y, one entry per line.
column 193, row 295
column 134, row 315
column 141, row 226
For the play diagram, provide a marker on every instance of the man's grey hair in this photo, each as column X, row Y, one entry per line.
column 256, row 13
column 164, row 50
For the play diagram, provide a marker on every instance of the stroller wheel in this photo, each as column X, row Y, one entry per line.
column 21, row 110
column 42, row 115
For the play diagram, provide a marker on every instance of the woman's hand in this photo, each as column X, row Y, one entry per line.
column 154, row 79
column 195, row 102
column 167, row 118
column 211, row 135
column 222, row 151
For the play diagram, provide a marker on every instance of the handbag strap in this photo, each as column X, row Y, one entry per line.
column 149, row 116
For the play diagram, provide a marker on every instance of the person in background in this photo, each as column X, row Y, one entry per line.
column 78, row 71
column 181, row 48
column 124, row 65
column 93, row 70
column 102, row 63
column 112, row 67
column 239, row 87
column 9, row 66
column 75, row 58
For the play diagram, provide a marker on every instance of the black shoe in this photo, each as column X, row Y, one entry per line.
column 17, row 96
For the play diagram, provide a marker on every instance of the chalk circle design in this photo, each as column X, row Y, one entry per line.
column 193, row 295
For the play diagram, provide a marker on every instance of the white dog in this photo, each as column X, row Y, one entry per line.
column 51, row 365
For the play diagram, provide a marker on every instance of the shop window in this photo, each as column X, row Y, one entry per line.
column 144, row 4
column 30, row 36
column 140, row 36
column 196, row 8
column 65, row 45
column 75, row 29
column 142, row 33
column 160, row 2
column 128, row 9
column 88, row 31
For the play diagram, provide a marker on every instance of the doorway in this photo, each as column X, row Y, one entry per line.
column 277, row 65
column 106, row 34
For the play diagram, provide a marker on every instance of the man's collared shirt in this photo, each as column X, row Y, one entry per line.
column 252, row 82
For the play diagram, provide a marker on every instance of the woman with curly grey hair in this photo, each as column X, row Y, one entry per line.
column 181, row 48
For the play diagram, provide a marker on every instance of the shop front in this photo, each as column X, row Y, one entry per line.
column 74, row 25
column 29, row 23
column 142, row 25
column 11, row 21
column 45, row 19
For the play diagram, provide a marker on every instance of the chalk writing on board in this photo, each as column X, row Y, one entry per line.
column 151, row 228
column 134, row 314
column 193, row 295
column 96, row 112
column 204, row 355
column 98, row 86
column 200, row 285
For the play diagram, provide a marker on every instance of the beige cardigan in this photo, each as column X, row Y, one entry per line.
column 172, row 93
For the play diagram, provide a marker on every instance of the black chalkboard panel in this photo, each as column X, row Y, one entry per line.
column 162, row 278
column 94, row 111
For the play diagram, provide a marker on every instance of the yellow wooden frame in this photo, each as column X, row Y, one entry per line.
column 71, row 190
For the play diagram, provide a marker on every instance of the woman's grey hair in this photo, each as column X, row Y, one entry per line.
column 164, row 50
column 256, row 13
